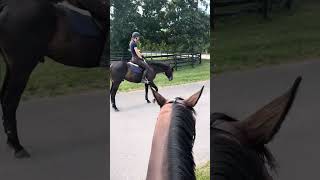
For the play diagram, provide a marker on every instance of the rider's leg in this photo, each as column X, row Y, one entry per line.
column 146, row 68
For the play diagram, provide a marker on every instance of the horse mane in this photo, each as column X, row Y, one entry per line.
column 180, row 143
column 227, row 156
column 264, row 154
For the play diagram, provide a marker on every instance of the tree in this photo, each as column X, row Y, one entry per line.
column 179, row 25
column 124, row 16
column 188, row 26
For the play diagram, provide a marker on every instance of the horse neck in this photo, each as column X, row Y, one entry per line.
column 158, row 68
column 158, row 162
column 180, row 143
column 171, row 153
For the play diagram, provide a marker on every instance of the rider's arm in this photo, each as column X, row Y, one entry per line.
column 138, row 52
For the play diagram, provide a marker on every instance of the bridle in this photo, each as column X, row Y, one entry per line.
column 175, row 100
column 229, row 130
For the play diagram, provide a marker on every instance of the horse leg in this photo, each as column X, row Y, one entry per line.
column 15, row 85
column 6, row 77
column 114, row 89
column 152, row 85
column 146, row 86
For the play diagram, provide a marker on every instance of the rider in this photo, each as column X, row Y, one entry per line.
column 137, row 57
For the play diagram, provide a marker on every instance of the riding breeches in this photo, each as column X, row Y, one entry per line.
column 141, row 63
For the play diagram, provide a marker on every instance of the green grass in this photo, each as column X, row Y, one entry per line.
column 52, row 79
column 203, row 172
column 249, row 41
column 182, row 76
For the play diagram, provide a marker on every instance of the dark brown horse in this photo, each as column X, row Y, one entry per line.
column 33, row 29
column 171, row 153
column 238, row 148
column 121, row 70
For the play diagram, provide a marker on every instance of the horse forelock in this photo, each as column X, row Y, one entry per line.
column 180, row 143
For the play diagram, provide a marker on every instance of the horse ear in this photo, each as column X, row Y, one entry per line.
column 159, row 98
column 192, row 100
column 265, row 123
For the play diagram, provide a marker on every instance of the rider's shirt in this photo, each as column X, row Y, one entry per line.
column 133, row 52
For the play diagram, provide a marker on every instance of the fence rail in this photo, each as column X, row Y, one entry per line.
column 174, row 59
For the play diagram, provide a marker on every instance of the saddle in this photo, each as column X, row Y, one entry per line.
column 134, row 67
column 80, row 22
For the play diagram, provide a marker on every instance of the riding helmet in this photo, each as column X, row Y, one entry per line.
column 135, row 34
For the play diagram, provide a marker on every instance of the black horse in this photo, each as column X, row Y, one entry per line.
column 33, row 29
column 238, row 148
column 122, row 70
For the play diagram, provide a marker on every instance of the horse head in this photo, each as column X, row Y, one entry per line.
column 238, row 148
column 169, row 73
column 171, row 153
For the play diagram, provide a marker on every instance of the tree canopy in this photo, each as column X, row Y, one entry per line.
column 167, row 25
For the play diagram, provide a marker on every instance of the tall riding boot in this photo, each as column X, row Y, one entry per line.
column 144, row 78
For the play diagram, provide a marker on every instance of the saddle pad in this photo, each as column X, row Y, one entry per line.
column 82, row 24
column 134, row 68
column 131, row 63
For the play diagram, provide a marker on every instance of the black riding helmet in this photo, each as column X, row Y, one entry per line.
column 135, row 35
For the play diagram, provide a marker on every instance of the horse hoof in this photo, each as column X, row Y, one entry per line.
column 148, row 101
column 22, row 154
column 116, row 109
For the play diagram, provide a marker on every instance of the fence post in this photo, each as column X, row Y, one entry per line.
column 192, row 60
column 200, row 59
column 266, row 9
column 175, row 62
column 289, row 4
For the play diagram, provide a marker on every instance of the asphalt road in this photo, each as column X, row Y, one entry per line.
column 132, row 130
column 297, row 146
column 67, row 138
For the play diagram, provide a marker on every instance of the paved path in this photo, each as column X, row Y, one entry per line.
column 132, row 130
column 67, row 138
column 297, row 146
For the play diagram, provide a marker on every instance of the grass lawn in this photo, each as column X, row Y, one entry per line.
column 51, row 79
column 184, row 75
column 203, row 172
column 249, row 41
